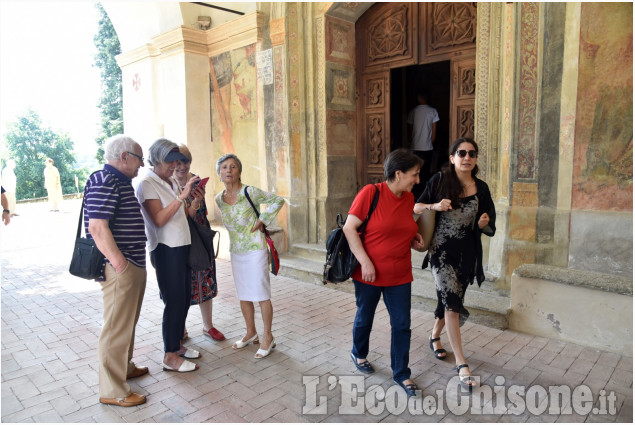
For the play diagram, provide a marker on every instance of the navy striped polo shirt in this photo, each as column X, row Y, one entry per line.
column 108, row 190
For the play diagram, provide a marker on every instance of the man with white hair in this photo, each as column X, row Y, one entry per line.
column 112, row 217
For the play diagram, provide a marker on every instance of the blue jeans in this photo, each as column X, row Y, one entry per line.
column 397, row 300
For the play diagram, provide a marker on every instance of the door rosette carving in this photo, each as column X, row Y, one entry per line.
column 389, row 36
column 453, row 24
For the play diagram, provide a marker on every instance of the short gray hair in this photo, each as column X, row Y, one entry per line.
column 159, row 150
column 116, row 145
column 225, row 158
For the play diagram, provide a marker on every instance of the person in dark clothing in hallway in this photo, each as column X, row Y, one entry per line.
column 422, row 129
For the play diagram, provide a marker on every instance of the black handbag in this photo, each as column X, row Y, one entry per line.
column 340, row 260
column 202, row 245
column 87, row 261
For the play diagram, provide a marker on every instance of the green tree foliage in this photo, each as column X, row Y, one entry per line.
column 110, row 103
column 29, row 143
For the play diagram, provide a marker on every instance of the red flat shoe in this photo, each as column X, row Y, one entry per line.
column 215, row 334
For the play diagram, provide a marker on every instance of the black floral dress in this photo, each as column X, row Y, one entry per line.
column 456, row 253
column 453, row 254
column 204, row 285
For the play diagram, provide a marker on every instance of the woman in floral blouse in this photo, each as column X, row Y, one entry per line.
column 249, row 255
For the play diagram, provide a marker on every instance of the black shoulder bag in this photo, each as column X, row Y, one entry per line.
column 87, row 260
column 340, row 260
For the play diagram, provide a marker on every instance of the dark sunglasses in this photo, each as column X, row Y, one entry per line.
column 462, row 152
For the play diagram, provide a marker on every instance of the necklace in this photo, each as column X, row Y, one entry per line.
column 465, row 186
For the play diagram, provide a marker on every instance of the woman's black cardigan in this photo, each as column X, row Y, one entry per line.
column 431, row 195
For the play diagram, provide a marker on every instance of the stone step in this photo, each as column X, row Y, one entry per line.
column 306, row 262
column 309, row 251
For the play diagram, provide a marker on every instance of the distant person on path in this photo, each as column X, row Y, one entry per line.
column 464, row 210
column 422, row 128
column 249, row 254
column 53, row 185
column 385, row 262
column 204, row 286
column 112, row 217
column 6, row 213
column 169, row 245
column 9, row 182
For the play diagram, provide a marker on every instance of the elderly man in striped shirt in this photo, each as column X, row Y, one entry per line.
column 112, row 217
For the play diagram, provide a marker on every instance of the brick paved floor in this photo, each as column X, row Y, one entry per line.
column 51, row 323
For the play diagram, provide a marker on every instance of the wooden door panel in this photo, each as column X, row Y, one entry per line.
column 448, row 29
column 393, row 35
column 463, row 94
column 375, row 91
column 374, row 143
column 388, row 37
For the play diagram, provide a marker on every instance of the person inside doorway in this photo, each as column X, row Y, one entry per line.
column 422, row 130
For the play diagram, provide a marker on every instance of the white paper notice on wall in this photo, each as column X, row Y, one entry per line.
column 264, row 62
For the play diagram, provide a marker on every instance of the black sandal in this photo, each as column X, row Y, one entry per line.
column 364, row 366
column 439, row 351
column 467, row 381
column 410, row 389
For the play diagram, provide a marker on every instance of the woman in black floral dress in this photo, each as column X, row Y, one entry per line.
column 464, row 210
column 204, row 287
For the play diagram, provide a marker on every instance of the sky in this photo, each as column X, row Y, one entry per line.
column 46, row 57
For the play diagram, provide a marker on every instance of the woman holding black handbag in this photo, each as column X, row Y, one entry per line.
column 249, row 254
column 464, row 210
column 385, row 264
column 204, row 284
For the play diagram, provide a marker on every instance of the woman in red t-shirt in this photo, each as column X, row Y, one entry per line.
column 385, row 264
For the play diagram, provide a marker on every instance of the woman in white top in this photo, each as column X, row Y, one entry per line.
column 169, row 245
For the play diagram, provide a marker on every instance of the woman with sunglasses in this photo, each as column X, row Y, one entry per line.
column 464, row 209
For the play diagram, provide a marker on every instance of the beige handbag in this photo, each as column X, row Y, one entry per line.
column 426, row 226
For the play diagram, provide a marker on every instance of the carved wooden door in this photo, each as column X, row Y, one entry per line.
column 385, row 38
column 394, row 35
column 463, row 97
column 374, row 127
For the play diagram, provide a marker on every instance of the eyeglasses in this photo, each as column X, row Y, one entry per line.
column 462, row 152
column 135, row 155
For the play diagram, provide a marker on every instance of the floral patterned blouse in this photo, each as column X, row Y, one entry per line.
column 240, row 218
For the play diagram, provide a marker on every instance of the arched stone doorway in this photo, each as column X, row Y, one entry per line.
column 401, row 45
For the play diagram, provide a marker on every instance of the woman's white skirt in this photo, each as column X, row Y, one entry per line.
column 251, row 275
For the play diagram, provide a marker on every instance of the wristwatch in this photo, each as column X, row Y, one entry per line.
column 6, row 211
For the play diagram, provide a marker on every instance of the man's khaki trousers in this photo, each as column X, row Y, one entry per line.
column 123, row 296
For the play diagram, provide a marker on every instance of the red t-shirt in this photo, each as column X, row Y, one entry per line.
column 389, row 232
